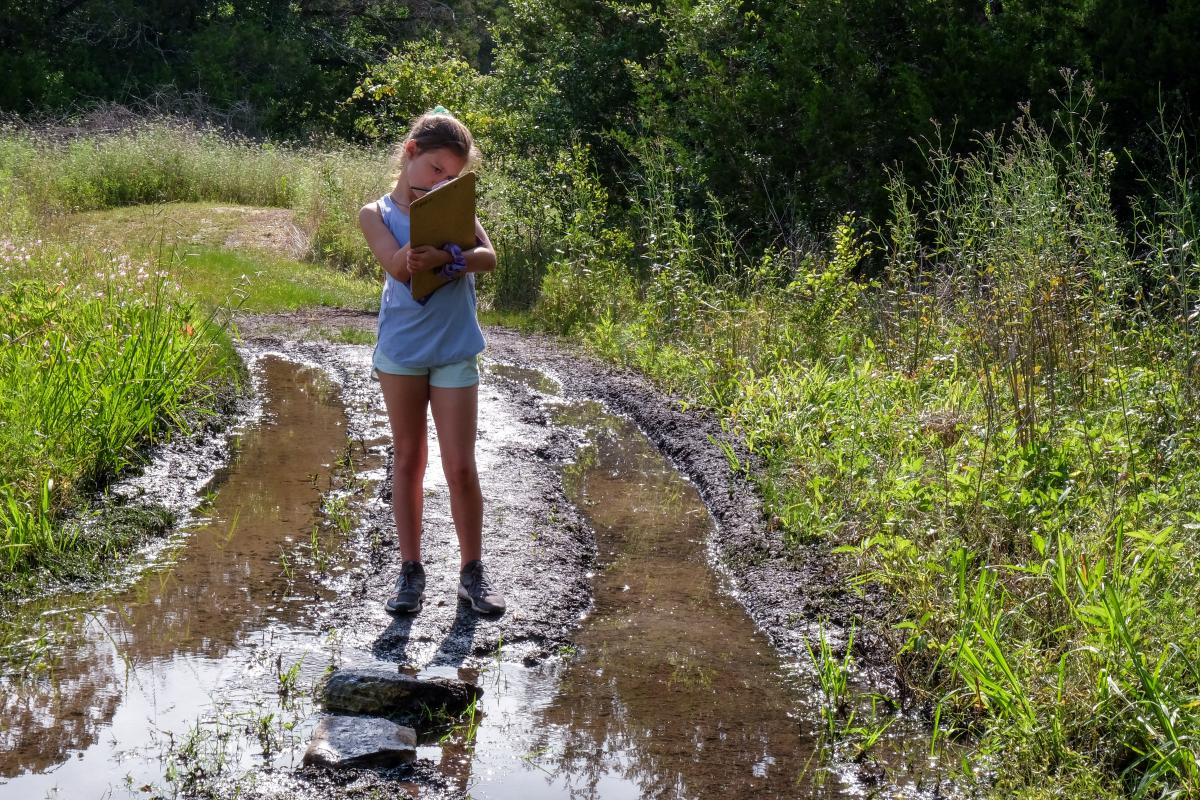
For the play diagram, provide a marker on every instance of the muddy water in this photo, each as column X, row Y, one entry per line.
column 204, row 633
column 670, row 692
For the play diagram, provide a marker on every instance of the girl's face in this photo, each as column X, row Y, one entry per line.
column 427, row 168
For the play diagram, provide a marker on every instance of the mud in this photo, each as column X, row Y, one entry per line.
column 788, row 592
column 540, row 541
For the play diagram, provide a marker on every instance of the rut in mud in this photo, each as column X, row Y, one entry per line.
column 623, row 667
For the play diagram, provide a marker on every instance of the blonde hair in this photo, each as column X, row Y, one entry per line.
column 436, row 130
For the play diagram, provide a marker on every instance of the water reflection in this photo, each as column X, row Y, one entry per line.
column 671, row 692
column 158, row 645
column 673, row 689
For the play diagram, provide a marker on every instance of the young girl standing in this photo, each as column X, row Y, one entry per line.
column 426, row 358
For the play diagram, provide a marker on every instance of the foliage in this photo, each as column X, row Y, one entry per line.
column 266, row 67
column 1000, row 431
column 92, row 371
column 586, row 275
column 412, row 81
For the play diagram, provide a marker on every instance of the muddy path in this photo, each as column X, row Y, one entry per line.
column 625, row 665
column 787, row 592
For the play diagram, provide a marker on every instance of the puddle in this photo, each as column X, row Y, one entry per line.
column 213, row 628
column 669, row 691
column 534, row 379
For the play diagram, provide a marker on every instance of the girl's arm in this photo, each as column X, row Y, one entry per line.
column 391, row 256
column 480, row 258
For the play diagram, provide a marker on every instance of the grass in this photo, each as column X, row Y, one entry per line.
column 162, row 162
column 347, row 335
column 215, row 248
column 998, row 429
column 149, row 228
column 91, row 371
column 116, row 287
column 270, row 283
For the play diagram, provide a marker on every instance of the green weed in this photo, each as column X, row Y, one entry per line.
column 93, row 371
column 998, row 430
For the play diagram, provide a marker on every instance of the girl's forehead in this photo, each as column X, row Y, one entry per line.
column 445, row 158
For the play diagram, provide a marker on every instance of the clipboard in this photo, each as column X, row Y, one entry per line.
column 446, row 214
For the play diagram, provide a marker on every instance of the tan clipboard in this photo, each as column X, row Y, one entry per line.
column 447, row 214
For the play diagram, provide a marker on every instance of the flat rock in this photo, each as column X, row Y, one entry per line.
column 383, row 691
column 360, row 742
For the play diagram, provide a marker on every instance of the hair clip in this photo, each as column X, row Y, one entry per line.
column 440, row 109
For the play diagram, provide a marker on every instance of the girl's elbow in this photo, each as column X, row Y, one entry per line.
column 484, row 260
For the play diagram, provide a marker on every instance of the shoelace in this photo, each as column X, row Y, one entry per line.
column 402, row 582
column 477, row 580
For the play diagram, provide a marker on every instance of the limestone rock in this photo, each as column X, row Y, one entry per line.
column 383, row 691
column 360, row 742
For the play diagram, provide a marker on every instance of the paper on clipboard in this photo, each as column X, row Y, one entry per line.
column 447, row 214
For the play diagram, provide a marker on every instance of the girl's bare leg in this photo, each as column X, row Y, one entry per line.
column 455, row 415
column 406, row 398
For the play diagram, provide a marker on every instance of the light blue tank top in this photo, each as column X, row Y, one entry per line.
column 441, row 331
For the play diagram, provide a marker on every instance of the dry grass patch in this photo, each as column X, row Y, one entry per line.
column 170, row 226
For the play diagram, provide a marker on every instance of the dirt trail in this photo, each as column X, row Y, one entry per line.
column 247, row 228
column 785, row 593
column 538, row 544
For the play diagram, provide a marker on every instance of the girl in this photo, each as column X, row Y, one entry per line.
column 425, row 357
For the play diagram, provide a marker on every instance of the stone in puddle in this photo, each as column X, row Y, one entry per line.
column 385, row 692
column 360, row 742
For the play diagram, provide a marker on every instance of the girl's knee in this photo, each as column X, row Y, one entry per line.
column 461, row 476
column 409, row 463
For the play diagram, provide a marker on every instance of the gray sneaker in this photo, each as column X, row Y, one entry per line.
column 474, row 586
column 410, row 589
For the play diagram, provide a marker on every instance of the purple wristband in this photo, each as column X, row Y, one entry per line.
column 456, row 265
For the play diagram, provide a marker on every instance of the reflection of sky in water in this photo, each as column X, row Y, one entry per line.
column 188, row 637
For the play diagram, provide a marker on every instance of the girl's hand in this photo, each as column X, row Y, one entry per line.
column 427, row 257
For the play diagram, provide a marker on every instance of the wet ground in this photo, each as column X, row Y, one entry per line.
column 626, row 665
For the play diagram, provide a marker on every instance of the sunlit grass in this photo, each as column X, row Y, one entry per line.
column 161, row 162
column 270, row 283
column 123, row 258
column 101, row 355
column 156, row 227
column 216, row 249
column 348, row 335
column 999, row 433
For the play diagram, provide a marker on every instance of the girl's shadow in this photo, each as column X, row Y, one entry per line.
column 393, row 644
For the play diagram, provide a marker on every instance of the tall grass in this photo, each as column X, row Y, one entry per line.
column 1000, row 429
column 162, row 161
column 100, row 356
